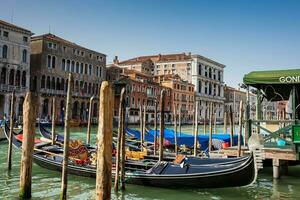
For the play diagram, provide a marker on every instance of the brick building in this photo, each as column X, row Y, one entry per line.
column 14, row 66
column 182, row 95
column 52, row 59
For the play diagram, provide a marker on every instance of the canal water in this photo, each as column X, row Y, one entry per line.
column 46, row 184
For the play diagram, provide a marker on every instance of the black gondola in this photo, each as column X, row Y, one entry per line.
column 166, row 174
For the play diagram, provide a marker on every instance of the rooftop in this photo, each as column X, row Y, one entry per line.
column 6, row 24
column 55, row 38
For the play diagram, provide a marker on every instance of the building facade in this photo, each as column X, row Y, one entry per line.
column 52, row 59
column 182, row 95
column 141, row 90
column 14, row 66
column 206, row 75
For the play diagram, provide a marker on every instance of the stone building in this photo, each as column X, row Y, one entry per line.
column 14, row 66
column 182, row 95
column 206, row 75
column 52, row 59
column 141, row 90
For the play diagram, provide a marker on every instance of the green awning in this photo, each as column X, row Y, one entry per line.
column 290, row 76
column 276, row 84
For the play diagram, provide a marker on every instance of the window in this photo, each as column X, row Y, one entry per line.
column 81, row 68
column 100, row 71
column 82, row 53
column 157, row 66
column 199, row 69
column 97, row 71
column 78, row 52
column 5, row 34
column 173, row 65
column 64, row 49
column 72, row 66
column 24, row 56
column 199, row 86
column 97, row 57
column 54, row 46
column 86, row 69
column 53, row 61
column 209, row 73
column 49, row 61
column 68, row 65
column 50, row 45
column 25, row 39
column 43, row 81
column 165, row 66
column 4, row 51
column 90, row 69
column 63, row 64
column 74, row 51
column 77, row 67
column 91, row 55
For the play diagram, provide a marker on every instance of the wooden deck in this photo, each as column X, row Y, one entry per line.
column 268, row 152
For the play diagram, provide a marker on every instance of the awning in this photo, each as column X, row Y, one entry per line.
column 276, row 84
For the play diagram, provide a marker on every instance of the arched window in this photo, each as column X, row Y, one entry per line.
column 76, row 86
column 73, row 66
column 97, row 71
column 43, row 81
column 90, row 88
column 100, row 71
column 53, row 83
column 48, row 83
column 23, row 79
column 209, row 73
column 68, row 65
column 49, row 61
column 81, row 68
column 24, row 56
column 4, row 51
column 18, row 78
column 85, row 87
column 90, row 69
column 63, row 64
column 53, row 61
column 62, row 85
column 77, row 67
column 3, row 76
column 11, row 77
column 57, row 84
column 86, row 69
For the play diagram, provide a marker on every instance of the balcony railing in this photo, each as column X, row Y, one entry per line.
column 10, row 88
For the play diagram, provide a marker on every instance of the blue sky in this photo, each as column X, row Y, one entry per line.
column 243, row 35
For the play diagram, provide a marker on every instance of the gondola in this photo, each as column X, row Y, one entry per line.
column 188, row 159
column 166, row 174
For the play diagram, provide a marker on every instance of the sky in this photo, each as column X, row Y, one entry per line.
column 244, row 35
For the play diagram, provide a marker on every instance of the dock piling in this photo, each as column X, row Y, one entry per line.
column 144, row 125
column 175, row 128
column 88, row 133
column 141, row 127
column 64, row 179
column 11, row 129
column 162, row 125
column 155, row 129
column 225, row 122
column 210, row 126
column 29, row 119
column 196, row 128
column 231, row 123
column 240, row 128
column 120, row 135
column 104, row 146
column 53, row 120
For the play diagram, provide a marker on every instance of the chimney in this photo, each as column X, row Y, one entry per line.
column 159, row 56
column 116, row 60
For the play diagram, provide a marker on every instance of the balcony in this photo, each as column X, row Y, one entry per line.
column 11, row 88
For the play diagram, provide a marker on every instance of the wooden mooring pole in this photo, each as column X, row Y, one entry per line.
column 231, row 125
column 104, row 146
column 196, row 128
column 119, row 141
column 144, row 125
column 29, row 119
column 179, row 120
column 204, row 121
column 210, row 126
column 162, row 125
column 141, row 127
column 175, row 128
column 225, row 123
column 155, row 129
column 53, row 120
column 123, row 140
column 88, row 132
column 11, row 129
column 64, row 179
column 241, row 112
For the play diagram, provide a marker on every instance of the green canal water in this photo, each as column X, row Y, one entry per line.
column 46, row 184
